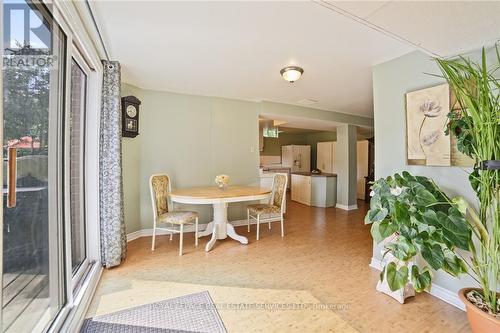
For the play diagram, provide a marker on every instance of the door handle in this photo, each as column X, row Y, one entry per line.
column 11, row 177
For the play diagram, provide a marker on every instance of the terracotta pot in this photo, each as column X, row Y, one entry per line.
column 480, row 321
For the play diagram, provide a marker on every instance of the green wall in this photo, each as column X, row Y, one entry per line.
column 272, row 146
column 391, row 80
column 131, row 167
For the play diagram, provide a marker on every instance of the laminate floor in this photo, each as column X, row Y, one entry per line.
column 321, row 264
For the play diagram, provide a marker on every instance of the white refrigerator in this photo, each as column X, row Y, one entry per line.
column 296, row 157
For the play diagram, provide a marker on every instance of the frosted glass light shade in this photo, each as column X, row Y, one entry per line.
column 291, row 73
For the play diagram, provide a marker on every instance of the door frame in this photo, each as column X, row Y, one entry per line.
column 81, row 62
column 1, row 169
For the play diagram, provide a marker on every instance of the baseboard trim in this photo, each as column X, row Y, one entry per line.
column 436, row 291
column 344, row 207
column 188, row 228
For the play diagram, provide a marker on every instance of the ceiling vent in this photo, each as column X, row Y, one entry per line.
column 308, row 101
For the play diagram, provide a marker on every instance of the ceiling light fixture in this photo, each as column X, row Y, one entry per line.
column 291, row 73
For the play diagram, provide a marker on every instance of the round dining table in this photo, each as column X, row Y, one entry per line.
column 219, row 198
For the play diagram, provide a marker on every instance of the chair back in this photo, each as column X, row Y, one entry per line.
column 159, row 185
column 278, row 195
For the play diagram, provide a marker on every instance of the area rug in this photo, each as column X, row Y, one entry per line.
column 189, row 313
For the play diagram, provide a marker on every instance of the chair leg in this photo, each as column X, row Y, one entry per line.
column 248, row 220
column 258, row 224
column 180, row 241
column 196, row 232
column 282, row 228
column 154, row 234
column 171, row 233
column 269, row 225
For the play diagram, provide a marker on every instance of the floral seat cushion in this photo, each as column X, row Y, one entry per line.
column 177, row 217
column 264, row 209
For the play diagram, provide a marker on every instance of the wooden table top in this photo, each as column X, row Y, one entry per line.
column 214, row 192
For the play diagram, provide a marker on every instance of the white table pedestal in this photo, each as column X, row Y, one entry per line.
column 220, row 228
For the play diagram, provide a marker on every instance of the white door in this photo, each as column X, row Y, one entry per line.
column 362, row 166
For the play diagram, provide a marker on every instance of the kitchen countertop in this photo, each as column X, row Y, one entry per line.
column 310, row 174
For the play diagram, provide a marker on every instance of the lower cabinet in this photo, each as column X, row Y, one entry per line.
column 317, row 191
column 301, row 189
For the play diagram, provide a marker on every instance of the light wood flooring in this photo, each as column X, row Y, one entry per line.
column 324, row 256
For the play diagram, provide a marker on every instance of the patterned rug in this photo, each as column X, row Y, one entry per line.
column 190, row 313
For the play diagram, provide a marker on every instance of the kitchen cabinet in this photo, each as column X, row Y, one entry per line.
column 318, row 190
column 296, row 157
column 301, row 189
column 325, row 156
column 261, row 140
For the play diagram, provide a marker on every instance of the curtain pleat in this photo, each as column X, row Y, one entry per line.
column 112, row 225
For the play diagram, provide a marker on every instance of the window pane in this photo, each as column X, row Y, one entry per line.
column 33, row 71
column 77, row 119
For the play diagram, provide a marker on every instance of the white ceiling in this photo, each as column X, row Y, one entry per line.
column 236, row 49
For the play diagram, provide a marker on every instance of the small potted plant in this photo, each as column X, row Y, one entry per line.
column 476, row 125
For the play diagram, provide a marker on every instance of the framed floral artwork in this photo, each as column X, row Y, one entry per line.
column 426, row 121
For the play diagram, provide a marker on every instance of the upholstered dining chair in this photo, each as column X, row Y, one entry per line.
column 274, row 209
column 160, row 187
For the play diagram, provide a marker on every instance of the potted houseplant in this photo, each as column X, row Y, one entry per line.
column 417, row 222
column 476, row 125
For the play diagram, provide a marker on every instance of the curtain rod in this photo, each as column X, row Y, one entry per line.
column 97, row 28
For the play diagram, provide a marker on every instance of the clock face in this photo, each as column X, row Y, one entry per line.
column 131, row 111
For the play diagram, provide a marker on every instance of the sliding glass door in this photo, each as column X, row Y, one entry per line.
column 76, row 163
column 34, row 84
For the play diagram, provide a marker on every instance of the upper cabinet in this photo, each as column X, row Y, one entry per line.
column 325, row 156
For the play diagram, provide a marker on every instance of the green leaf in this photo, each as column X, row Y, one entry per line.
column 386, row 228
column 458, row 221
column 367, row 218
column 400, row 181
column 375, row 232
column 423, row 227
column 402, row 249
column 401, row 214
column 396, row 278
column 433, row 255
column 407, row 176
column 424, row 197
column 456, row 232
column 474, row 179
column 430, row 217
column 452, row 264
column 421, row 280
column 377, row 215
column 408, row 232
column 382, row 275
